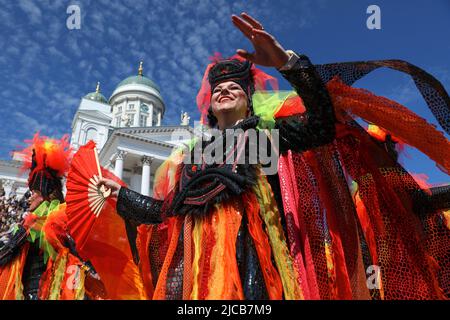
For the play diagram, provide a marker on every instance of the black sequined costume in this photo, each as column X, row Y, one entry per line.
column 314, row 128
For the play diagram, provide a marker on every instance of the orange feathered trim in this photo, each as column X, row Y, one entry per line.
column 50, row 153
column 224, row 282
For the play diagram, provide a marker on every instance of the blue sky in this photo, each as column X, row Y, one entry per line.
column 45, row 68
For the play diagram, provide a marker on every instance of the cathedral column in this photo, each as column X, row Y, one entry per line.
column 145, row 185
column 118, row 167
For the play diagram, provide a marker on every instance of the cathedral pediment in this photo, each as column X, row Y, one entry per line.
column 95, row 113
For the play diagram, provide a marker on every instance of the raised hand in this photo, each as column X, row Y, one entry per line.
column 268, row 51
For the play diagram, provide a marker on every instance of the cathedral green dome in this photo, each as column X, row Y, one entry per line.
column 139, row 79
column 96, row 96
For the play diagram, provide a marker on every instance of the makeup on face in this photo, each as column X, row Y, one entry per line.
column 226, row 92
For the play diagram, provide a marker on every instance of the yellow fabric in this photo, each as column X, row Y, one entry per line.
column 197, row 238
column 58, row 276
column 17, row 272
column 283, row 260
column 224, row 282
column 19, row 287
column 446, row 215
column 80, row 291
column 331, row 269
column 223, row 275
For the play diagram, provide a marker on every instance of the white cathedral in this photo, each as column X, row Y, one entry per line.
column 127, row 129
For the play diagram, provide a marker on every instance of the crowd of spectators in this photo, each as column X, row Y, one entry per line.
column 12, row 210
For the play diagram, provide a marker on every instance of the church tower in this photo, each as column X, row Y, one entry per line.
column 136, row 102
column 92, row 120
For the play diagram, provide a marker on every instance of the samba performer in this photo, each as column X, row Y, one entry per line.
column 40, row 261
column 340, row 209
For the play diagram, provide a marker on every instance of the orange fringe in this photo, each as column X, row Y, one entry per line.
column 262, row 246
column 11, row 276
column 394, row 118
column 225, row 281
column 160, row 290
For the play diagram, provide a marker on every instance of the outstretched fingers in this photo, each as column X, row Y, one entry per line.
column 252, row 21
column 251, row 28
column 242, row 25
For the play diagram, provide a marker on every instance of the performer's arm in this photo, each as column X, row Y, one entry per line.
column 440, row 197
column 12, row 248
column 437, row 200
column 318, row 126
column 134, row 206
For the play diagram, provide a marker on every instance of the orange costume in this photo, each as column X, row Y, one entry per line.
column 40, row 261
column 340, row 220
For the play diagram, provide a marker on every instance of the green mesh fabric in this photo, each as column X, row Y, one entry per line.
column 266, row 104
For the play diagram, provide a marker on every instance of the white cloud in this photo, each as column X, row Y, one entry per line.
column 28, row 122
column 58, row 54
column 49, row 68
column 54, row 30
column 32, row 10
column 72, row 45
column 97, row 21
column 115, row 35
column 404, row 93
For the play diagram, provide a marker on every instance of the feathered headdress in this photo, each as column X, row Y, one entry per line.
column 48, row 161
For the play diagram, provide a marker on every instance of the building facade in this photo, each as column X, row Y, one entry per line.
column 127, row 129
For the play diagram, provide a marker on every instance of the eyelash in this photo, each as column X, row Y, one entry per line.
column 218, row 90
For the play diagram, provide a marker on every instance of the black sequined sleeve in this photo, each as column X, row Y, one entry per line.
column 316, row 126
column 13, row 247
column 437, row 199
column 440, row 197
column 142, row 209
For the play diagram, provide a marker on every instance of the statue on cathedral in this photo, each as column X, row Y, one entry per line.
column 185, row 119
column 127, row 120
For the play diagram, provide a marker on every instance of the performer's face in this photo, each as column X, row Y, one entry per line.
column 35, row 200
column 229, row 97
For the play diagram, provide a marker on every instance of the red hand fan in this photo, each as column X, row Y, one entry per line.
column 84, row 199
column 99, row 232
